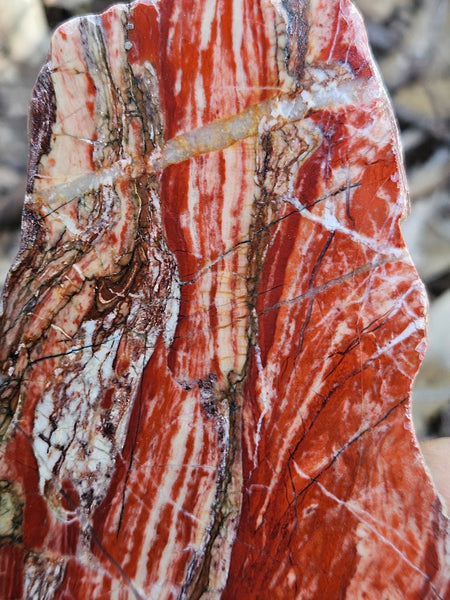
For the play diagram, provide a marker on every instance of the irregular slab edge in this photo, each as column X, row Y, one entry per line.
column 272, row 487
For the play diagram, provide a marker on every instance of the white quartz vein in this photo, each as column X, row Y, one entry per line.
column 331, row 223
column 359, row 514
column 418, row 324
column 325, row 88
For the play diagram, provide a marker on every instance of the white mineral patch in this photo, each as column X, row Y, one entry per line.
column 206, row 23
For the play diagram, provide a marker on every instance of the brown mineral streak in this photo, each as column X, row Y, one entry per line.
column 214, row 137
column 42, row 118
column 297, row 37
column 128, row 300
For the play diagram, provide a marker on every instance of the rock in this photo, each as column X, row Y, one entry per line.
column 426, row 103
column 72, row 5
column 436, row 366
column 411, row 138
column 381, row 10
column 9, row 244
column 24, row 31
column 9, row 179
column 13, row 146
column 427, row 235
column 434, row 451
column 430, row 177
column 13, row 155
column 432, row 389
column 211, row 332
column 11, row 194
column 424, row 46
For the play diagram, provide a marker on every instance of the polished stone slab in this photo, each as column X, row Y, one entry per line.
column 211, row 331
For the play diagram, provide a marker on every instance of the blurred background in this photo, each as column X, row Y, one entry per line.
column 411, row 42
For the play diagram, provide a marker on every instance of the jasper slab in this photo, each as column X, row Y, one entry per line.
column 211, row 331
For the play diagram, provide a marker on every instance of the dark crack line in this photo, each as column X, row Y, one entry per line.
column 312, row 298
column 312, row 292
column 373, row 326
column 89, row 528
column 357, row 437
column 131, row 460
column 332, row 282
column 268, row 226
column 315, row 480
column 324, row 403
column 79, row 349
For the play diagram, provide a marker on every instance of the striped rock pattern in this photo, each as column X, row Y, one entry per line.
column 211, row 330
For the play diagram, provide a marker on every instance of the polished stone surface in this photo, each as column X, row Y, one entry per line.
column 212, row 328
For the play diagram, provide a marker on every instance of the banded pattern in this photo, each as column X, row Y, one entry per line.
column 212, row 327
